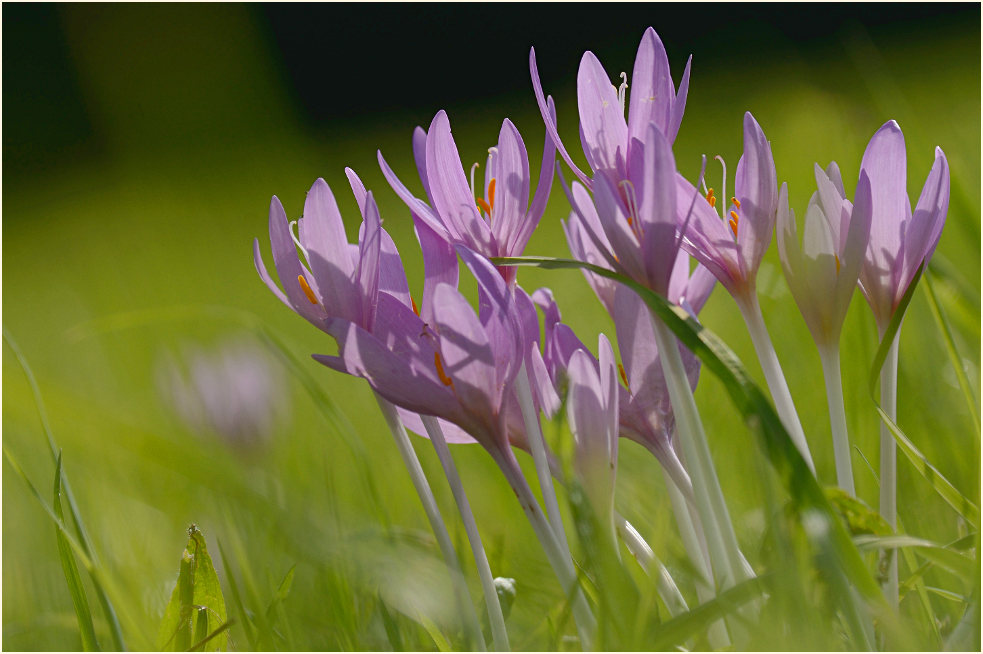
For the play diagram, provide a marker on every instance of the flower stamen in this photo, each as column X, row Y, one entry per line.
column 444, row 379
column 623, row 90
column 733, row 222
column 736, row 202
column 711, row 199
column 304, row 286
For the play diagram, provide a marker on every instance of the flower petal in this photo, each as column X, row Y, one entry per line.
column 651, row 93
column 756, row 186
column 439, row 264
column 549, row 118
column 418, row 207
column 679, row 104
column 510, row 168
column 927, row 220
column 288, row 267
column 657, row 209
column 602, row 119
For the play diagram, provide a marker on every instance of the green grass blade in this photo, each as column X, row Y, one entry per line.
column 200, row 646
column 950, row 346
column 70, row 568
column 115, row 630
column 940, row 555
column 247, row 627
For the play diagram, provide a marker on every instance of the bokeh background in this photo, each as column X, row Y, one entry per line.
column 141, row 145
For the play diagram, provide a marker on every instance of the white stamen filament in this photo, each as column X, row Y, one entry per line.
column 622, row 90
column 723, row 187
column 476, row 165
column 296, row 241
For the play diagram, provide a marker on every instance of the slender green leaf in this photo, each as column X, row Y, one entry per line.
column 247, row 627
column 69, row 567
column 948, row 594
column 201, row 644
column 953, row 352
column 391, row 626
column 282, row 591
column 197, row 591
column 940, row 555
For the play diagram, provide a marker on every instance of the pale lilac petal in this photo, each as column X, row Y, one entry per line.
column 538, row 205
column 582, row 248
column 288, row 267
column 616, row 228
column 640, row 354
column 609, row 394
column 511, row 172
column 322, row 233
column 367, row 274
column 439, row 264
column 467, row 355
column 657, row 208
column 679, row 104
column 542, row 385
column 601, row 116
column 265, row 275
column 585, row 408
column 358, row 189
column 756, row 186
column 926, row 223
column 852, row 255
column 549, row 118
column 698, row 289
column 651, row 92
column 707, row 238
column 420, row 157
column 392, row 276
column 452, row 196
column 583, row 206
column 418, row 207
column 885, row 163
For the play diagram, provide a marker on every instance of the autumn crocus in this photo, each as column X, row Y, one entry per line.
column 731, row 246
column 608, row 137
column 901, row 241
column 822, row 274
column 495, row 220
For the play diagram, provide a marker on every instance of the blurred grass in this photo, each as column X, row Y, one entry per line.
column 152, row 228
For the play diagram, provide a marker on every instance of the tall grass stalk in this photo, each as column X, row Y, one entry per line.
column 830, row 358
column 763, row 347
column 889, row 463
column 495, row 618
column 643, row 553
column 468, row 615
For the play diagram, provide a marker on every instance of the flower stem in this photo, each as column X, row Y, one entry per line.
column 559, row 558
column 646, row 558
column 830, row 358
column 492, row 604
column 537, row 447
column 889, row 463
column 412, row 463
column 710, row 504
column 751, row 311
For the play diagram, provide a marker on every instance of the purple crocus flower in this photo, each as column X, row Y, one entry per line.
column 608, row 138
column 496, row 223
column 900, row 240
column 822, row 272
column 732, row 250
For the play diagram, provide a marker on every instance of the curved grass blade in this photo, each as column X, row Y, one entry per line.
column 950, row 347
column 936, row 479
column 200, row 645
column 940, row 555
column 826, row 531
column 237, row 598
column 108, row 609
column 70, row 568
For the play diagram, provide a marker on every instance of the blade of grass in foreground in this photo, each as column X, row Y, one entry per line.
column 68, row 565
column 826, row 531
column 107, row 606
column 946, row 490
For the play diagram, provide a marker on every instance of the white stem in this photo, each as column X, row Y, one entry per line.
column 830, row 358
column 537, row 447
column 751, row 311
column 889, row 462
column 558, row 557
column 492, row 604
column 412, row 463
column 711, row 507
column 643, row 553
column 696, row 546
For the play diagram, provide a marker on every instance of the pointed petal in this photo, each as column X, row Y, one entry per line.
column 418, row 207
column 367, row 274
column 757, row 189
column 926, row 223
column 420, row 157
column 852, row 255
column 452, row 198
column 358, row 189
column 601, row 117
column 549, row 118
column 657, row 209
column 679, row 104
column 615, row 224
column 288, row 267
column 510, row 168
column 651, row 93
column 439, row 264
column 538, row 205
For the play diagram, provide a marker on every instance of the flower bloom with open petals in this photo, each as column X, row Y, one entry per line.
column 608, row 138
column 900, row 240
column 732, row 248
column 496, row 223
column 822, row 273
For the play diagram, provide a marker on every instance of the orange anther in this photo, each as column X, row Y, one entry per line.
column 621, row 371
column 837, row 264
column 304, row 286
column 444, row 379
column 484, row 205
column 733, row 222
column 737, row 203
column 709, row 194
column 491, row 194
column 416, row 309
